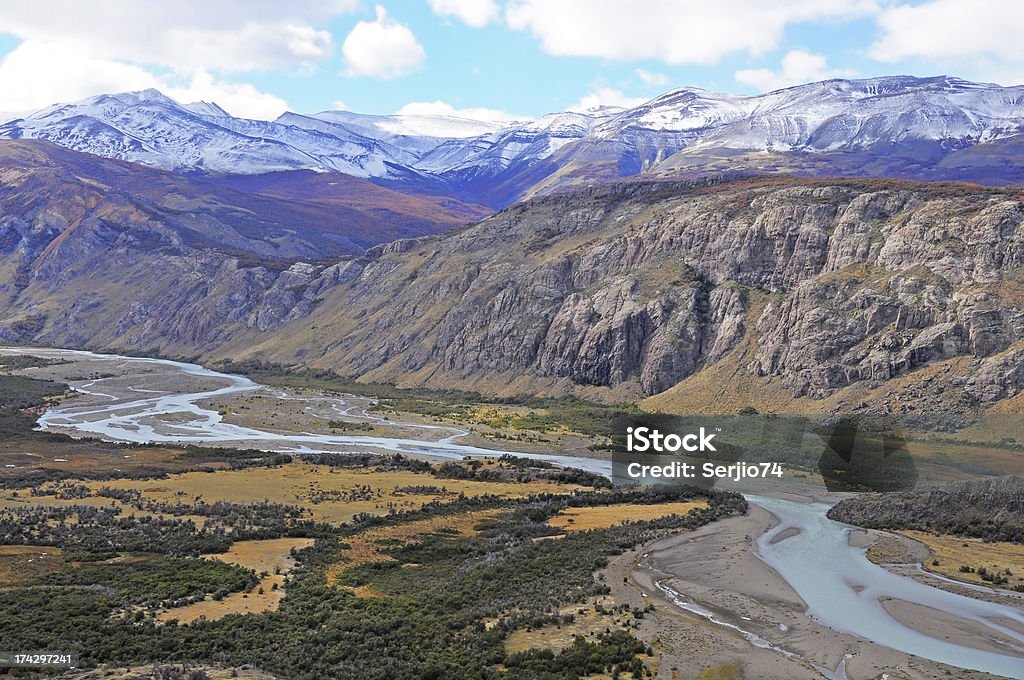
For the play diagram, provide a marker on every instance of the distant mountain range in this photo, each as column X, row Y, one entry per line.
column 905, row 127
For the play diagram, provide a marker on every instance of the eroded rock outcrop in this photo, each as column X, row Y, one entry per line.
column 817, row 285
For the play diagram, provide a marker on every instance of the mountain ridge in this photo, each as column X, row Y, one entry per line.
column 775, row 292
column 47, row 189
column 894, row 126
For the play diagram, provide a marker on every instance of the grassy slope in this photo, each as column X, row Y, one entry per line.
column 327, row 216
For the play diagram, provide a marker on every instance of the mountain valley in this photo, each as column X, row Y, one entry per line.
column 776, row 293
column 217, row 238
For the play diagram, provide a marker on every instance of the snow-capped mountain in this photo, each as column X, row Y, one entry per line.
column 149, row 128
column 919, row 124
column 842, row 114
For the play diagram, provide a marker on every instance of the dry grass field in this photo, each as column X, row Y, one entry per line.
column 20, row 564
column 14, row 499
column 268, row 555
column 602, row 517
column 725, row 671
column 332, row 495
column 952, row 552
column 587, row 622
column 365, row 547
column 272, row 556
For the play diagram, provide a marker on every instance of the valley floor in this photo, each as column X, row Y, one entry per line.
column 747, row 620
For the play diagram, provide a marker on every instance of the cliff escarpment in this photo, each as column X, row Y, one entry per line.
column 783, row 290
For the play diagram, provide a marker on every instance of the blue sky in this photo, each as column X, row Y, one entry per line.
column 485, row 58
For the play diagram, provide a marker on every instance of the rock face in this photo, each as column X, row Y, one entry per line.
column 820, row 286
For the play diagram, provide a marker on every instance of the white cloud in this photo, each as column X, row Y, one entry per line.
column 475, row 13
column 440, row 108
column 652, row 79
column 797, row 67
column 252, row 46
column 606, row 96
column 382, row 48
column 226, row 35
column 238, row 99
column 677, row 31
column 71, row 49
column 339, row 105
column 947, row 29
column 36, row 74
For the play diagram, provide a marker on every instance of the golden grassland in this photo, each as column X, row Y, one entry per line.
column 884, row 548
column 587, row 622
column 952, row 552
column 348, row 492
column 264, row 555
column 332, row 495
column 15, row 499
column 604, row 516
column 941, row 458
column 725, row 671
column 271, row 556
column 366, row 547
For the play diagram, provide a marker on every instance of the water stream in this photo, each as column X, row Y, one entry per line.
column 845, row 591
column 155, row 416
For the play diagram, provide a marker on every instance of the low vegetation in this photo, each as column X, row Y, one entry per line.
column 450, row 579
column 996, row 563
column 383, row 567
column 989, row 509
column 602, row 517
column 19, row 397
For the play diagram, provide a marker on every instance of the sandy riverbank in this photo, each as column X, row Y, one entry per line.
column 715, row 568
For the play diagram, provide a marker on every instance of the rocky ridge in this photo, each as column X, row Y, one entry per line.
column 894, row 126
column 812, row 289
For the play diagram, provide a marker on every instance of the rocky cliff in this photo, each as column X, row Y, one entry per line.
column 773, row 292
column 807, row 289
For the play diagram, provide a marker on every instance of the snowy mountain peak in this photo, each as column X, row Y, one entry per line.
column 482, row 160
column 207, row 109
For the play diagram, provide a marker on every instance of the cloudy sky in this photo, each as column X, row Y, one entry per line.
column 484, row 58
